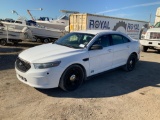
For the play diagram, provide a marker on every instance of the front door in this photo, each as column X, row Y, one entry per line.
column 101, row 59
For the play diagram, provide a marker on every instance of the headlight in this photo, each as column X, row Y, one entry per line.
column 46, row 65
column 147, row 35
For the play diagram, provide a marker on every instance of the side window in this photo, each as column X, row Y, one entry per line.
column 103, row 40
column 119, row 39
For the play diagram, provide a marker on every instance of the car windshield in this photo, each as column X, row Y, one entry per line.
column 75, row 40
column 157, row 25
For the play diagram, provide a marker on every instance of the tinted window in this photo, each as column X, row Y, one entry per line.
column 119, row 39
column 125, row 39
column 103, row 40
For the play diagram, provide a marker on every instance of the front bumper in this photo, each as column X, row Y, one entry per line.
column 150, row 43
column 41, row 78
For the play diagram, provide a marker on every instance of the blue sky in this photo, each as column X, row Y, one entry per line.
column 135, row 9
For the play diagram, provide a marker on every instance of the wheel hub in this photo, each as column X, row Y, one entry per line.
column 73, row 77
column 131, row 62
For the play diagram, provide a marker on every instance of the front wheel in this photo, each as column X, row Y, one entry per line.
column 39, row 40
column 158, row 51
column 131, row 62
column 72, row 78
column 15, row 43
column 46, row 40
column 144, row 48
column 3, row 42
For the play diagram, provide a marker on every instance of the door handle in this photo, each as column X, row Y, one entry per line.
column 128, row 46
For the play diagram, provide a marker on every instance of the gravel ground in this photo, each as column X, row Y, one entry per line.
column 114, row 95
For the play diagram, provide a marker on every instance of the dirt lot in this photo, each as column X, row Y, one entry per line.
column 114, row 95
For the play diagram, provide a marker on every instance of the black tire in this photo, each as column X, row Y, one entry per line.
column 53, row 40
column 39, row 40
column 46, row 40
column 15, row 43
column 144, row 48
column 3, row 42
column 131, row 62
column 72, row 78
column 158, row 51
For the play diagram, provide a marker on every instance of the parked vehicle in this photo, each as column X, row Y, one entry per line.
column 133, row 28
column 59, row 23
column 152, row 37
column 10, row 35
column 39, row 33
column 76, row 56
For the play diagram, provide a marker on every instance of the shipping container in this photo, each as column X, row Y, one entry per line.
column 133, row 28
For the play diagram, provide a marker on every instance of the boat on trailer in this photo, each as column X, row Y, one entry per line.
column 39, row 33
column 10, row 35
column 60, row 23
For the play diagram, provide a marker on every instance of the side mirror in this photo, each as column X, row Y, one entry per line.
column 96, row 47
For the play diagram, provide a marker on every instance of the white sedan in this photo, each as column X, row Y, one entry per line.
column 74, row 57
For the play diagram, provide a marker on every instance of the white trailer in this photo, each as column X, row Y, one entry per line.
column 133, row 28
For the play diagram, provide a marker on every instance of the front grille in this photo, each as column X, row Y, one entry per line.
column 22, row 65
column 154, row 35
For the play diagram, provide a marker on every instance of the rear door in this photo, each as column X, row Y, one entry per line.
column 121, row 46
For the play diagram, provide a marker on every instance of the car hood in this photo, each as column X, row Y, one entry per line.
column 153, row 30
column 48, row 53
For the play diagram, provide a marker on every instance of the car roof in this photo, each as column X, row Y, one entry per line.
column 96, row 31
column 101, row 32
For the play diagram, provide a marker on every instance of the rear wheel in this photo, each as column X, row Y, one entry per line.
column 53, row 40
column 39, row 40
column 15, row 43
column 72, row 78
column 144, row 48
column 131, row 62
column 46, row 40
column 3, row 42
